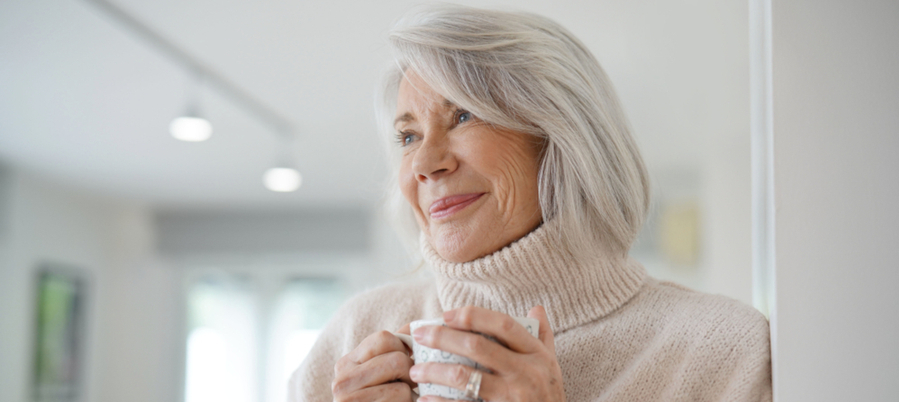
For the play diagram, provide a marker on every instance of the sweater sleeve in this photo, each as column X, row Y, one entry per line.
column 355, row 320
column 732, row 361
column 751, row 377
column 388, row 307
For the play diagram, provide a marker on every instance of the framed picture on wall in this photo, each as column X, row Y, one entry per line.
column 60, row 317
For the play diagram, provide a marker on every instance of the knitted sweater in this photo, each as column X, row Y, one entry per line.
column 619, row 334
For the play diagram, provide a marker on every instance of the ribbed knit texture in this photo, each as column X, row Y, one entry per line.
column 619, row 334
column 535, row 270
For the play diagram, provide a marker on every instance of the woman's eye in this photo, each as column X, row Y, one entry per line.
column 406, row 139
column 463, row 116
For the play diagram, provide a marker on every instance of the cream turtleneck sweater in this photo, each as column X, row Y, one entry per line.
column 619, row 334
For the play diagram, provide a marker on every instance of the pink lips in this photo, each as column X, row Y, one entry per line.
column 445, row 207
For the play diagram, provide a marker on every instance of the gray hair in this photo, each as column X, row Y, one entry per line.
column 527, row 73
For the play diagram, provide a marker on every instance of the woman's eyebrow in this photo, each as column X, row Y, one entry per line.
column 406, row 117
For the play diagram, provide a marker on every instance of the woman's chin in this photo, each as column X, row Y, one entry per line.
column 457, row 249
column 452, row 253
column 464, row 243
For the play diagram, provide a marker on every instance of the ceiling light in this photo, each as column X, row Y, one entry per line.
column 282, row 179
column 190, row 128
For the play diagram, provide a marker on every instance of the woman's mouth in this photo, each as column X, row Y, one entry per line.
column 449, row 205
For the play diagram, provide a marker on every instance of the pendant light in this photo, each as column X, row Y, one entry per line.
column 191, row 126
column 284, row 176
column 282, row 179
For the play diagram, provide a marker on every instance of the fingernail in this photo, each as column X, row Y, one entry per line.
column 449, row 315
column 420, row 333
column 425, row 398
column 415, row 372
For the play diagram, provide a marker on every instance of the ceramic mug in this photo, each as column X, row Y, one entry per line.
column 423, row 354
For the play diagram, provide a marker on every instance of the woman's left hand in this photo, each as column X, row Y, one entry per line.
column 525, row 370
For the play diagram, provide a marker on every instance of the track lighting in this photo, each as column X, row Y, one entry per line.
column 191, row 126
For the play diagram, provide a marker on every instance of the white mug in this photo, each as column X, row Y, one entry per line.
column 423, row 354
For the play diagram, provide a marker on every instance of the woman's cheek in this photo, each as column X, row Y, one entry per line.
column 510, row 183
column 507, row 196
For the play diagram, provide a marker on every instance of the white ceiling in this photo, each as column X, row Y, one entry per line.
column 86, row 101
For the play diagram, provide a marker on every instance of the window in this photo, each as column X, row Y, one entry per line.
column 221, row 354
column 245, row 339
column 302, row 309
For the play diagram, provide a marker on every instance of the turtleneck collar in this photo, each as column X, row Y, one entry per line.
column 536, row 270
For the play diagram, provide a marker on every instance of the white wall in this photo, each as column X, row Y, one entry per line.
column 141, row 316
column 130, row 307
column 836, row 141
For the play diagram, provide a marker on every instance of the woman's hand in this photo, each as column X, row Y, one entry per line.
column 376, row 370
column 525, row 370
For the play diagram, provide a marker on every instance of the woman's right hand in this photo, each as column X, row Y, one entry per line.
column 376, row 370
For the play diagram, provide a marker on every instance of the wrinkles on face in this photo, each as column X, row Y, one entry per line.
column 448, row 157
column 512, row 176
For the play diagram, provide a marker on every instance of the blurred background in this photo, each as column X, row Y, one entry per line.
column 137, row 266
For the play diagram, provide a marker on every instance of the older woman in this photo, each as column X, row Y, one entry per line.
column 527, row 190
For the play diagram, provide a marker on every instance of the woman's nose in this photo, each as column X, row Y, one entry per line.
column 433, row 159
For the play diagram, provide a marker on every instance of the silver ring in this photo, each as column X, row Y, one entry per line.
column 474, row 385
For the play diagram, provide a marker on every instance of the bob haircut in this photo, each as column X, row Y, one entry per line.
column 527, row 73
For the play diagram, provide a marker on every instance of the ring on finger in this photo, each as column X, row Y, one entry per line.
column 474, row 385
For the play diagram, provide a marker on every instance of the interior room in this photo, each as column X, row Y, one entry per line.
column 141, row 260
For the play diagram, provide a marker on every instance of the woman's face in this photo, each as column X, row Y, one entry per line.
column 473, row 186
